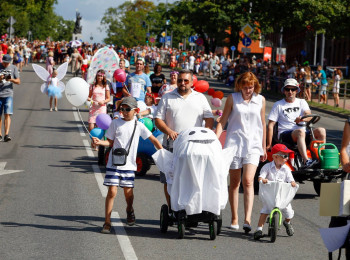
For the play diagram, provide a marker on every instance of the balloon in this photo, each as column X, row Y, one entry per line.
column 119, row 75
column 211, row 91
column 103, row 121
column 77, row 91
column 97, row 132
column 195, row 80
column 218, row 94
column 147, row 122
column 201, row 86
column 216, row 102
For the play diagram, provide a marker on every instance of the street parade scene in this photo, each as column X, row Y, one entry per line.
column 174, row 129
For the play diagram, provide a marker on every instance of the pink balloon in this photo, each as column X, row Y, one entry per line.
column 194, row 79
column 216, row 102
column 119, row 75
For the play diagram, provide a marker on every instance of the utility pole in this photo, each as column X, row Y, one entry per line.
column 322, row 49
column 315, row 50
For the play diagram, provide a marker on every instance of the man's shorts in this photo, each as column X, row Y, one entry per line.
column 323, row 90
column 6, row 105
column 238, row 162
column 286, row 137
column 162, row 177
column 119, row 178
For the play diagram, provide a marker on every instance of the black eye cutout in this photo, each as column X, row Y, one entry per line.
column 204, row 131
column 192, row 133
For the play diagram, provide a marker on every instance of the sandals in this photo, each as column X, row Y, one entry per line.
column 106, row 228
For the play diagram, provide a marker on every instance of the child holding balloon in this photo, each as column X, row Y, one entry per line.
column 119, row 135
column 99, row 96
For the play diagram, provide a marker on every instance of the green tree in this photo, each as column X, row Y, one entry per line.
column 124, row 23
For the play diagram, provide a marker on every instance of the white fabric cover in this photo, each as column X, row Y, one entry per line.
column 196, row 172
column 277, row 194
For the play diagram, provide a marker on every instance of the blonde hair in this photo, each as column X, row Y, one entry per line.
column 247, row 78
column 50, row 54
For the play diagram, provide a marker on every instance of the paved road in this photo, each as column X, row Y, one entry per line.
column 54, row 207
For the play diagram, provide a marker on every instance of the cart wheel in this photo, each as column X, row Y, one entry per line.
column 142, row 164
column 213, row 229
column 101, row 155
column 108, row 150
column 274, row 226
column 164, row 218
column 181, row 229
column 219, row 221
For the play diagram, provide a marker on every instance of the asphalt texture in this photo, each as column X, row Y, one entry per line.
column 54, row 208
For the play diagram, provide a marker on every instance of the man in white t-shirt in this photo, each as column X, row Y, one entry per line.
column 288, row 112
column 179, row 110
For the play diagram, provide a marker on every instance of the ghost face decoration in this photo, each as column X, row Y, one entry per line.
column 196, row 171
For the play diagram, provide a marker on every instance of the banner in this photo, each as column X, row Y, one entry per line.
column 281, row 54
column 267, row 53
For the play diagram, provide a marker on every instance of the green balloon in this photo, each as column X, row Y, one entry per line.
column 148, row 123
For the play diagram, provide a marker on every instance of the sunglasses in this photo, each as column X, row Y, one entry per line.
column 184, row 80
column 125, row 109
column 290, row 89
column 284, row 156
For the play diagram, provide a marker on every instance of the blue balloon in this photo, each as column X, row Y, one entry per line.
column 97, row 132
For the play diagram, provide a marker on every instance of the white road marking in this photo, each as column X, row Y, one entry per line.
column 4, row 172
column 117, row 224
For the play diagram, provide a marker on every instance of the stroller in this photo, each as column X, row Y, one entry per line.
column 196, row 174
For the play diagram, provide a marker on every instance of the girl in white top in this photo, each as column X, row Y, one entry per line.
column 246, row 133
column 345, row 147
column 337, row 77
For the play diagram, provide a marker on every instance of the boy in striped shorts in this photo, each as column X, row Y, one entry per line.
column 123, row 132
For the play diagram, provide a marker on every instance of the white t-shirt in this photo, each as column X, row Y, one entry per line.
column 120, row 132
column 285, row 114
column 180, row 113
column 270, row 172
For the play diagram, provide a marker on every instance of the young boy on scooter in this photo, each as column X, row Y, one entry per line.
column 276, row 170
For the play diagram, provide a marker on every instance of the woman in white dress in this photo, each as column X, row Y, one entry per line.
column 246, row 134
column 336, row 86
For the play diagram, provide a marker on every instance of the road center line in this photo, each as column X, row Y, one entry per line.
column 117, row 224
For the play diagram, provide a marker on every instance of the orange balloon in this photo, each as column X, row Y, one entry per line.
column 211, row 91
column 201, row 86
column 218, row 94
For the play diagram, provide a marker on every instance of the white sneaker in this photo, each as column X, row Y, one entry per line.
column 51, row 109
column 234, row 227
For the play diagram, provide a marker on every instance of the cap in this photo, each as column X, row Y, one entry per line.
column 129, row 101
column 280, row 148
column 6, row 58
column 291, row 82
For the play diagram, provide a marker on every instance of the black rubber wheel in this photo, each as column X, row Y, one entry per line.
column 164, row 218
column 107, row 151
column 219, row 221
column 181, row 229
column 101, row 155
column 274, row 227
column 213, row 229
column 142, row 164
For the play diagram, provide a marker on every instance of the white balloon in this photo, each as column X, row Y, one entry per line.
column 77, row 91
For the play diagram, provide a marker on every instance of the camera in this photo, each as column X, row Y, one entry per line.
column 6, row 74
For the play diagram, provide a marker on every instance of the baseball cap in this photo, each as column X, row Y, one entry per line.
column 129, row 101
column 280, row 148
column 291, row 82
column 6, row 58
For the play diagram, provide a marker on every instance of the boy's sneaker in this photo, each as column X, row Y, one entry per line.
column 106, row 228
column 130, row 218
column 258, row 234
column 289, row 228
column 7, row 138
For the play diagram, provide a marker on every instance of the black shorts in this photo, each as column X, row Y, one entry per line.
column 286, row 137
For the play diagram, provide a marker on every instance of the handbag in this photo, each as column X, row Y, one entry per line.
column 120, row 155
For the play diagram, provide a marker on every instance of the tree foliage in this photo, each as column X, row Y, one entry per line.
column 36, row 16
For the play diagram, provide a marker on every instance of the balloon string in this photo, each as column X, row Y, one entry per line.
column 81, row 119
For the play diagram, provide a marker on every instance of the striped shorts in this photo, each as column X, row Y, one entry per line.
column 119, row 178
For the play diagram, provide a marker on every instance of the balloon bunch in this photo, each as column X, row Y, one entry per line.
column 200, row 85
column 216, row 97
column 103, row 121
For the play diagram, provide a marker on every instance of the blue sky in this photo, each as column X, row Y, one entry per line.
column 91, row 11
